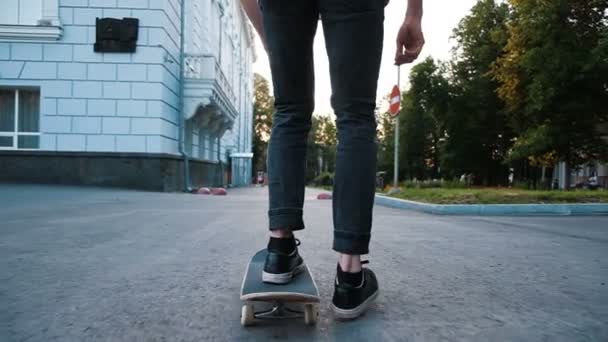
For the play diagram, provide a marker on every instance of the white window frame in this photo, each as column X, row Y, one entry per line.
column 15, row 133
column 48, row 27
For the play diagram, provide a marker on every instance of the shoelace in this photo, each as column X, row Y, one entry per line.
column 297, row 242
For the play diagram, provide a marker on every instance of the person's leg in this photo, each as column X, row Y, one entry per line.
column 353, row 33
column 290, row 27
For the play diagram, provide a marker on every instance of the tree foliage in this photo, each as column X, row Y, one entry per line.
column 527, row 86
column 452, row 121
column 478, row 135
column 326, row 141
column 263, row 107
column 553, row 77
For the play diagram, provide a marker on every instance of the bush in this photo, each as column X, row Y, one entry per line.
column 434, row 183
column 427, row 184
column 454, row 184
column 324, row 179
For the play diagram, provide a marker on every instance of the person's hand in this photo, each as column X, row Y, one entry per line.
column 410, row 40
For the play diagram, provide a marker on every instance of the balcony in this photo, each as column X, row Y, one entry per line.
column 209, row 97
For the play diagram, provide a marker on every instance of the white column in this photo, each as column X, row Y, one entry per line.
column 562, row 175
column 602, row 169
column 50, row 13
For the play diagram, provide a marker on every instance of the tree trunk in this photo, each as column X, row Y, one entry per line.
column 435, row 174
column 566, row 176
column 542, row 177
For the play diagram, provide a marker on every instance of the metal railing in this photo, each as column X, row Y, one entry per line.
column 200, row 67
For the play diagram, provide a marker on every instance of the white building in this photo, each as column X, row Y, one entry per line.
column 582, row 174
column 595, row 172
column 69, row 114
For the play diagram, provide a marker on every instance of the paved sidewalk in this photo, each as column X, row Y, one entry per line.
column 535, row 209
column 89, row 264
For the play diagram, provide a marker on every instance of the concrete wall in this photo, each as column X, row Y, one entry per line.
column 103, row 101
column 145, row 171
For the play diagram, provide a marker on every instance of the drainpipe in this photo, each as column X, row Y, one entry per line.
column 219, row 62
column 182, row 118
column 219, row 58
column 219, row 159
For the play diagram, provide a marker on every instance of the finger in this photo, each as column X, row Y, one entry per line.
column 413, row 53
column 403, row 59
column 405, row 56
column 410, row 56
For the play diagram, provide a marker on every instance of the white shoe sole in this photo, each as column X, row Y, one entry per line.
column 346, row 314
column 282, row 278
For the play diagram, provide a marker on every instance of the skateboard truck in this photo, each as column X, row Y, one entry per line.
column 279, row 311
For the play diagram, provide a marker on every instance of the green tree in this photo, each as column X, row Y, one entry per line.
column 553, row 77
column 476, row 128
column 326, row 140
column 263, row 107
column 425, row 106
column 313, row 152
column 414, row 142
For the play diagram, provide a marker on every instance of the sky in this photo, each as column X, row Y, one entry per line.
column 440, row 18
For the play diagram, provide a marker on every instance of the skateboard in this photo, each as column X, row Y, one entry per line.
column 297, row 299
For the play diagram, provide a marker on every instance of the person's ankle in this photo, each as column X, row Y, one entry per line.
column 282, row 241
column 350, row 263
column 351, row 278
column 281, row 234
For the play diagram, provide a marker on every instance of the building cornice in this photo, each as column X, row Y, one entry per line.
column 30, row 33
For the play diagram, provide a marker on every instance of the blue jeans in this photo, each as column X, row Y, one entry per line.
column 353, row 34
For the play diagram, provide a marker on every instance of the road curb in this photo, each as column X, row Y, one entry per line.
column 574, row 209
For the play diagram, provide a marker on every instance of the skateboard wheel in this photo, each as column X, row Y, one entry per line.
column 311, row 312
column 247, row 316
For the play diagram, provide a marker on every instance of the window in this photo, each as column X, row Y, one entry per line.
column 30, row 20
column 19, row 119
column 201, row 144
column 21, row 12
column 210, row 148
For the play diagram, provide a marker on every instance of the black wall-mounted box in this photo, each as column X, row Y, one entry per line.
column 116, row 35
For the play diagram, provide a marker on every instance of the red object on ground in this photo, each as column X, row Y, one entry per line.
column 324, row 196
column 219, row 192
column 203, row 191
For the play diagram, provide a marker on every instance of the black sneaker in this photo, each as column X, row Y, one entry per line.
column 281, row 267
column 350, row 301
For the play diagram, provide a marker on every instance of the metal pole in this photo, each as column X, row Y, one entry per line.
column 396, row 170
column 182, row 118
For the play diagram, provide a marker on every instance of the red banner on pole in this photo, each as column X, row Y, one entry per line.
column 395, row 100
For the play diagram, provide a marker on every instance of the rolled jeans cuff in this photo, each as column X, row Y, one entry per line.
column 285, row 218
column 351, row 243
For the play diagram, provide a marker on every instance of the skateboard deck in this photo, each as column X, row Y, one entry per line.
column 300, row 292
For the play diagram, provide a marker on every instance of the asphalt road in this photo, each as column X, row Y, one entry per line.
column 89, row 264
